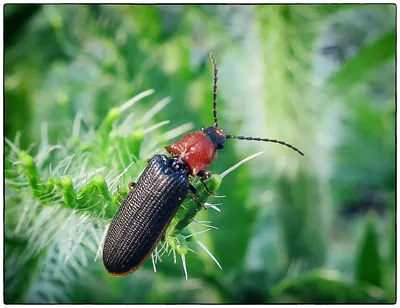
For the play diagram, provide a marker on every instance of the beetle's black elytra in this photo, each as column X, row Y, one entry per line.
column 144, row 215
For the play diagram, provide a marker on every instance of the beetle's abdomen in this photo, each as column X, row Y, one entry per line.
column 143, row 217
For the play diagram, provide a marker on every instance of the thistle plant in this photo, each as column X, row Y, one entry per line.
column 66, row 195
column 291, row 232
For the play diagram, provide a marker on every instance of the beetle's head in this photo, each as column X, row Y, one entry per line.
column 216, row 136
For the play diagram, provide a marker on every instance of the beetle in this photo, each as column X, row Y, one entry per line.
column 142, row 219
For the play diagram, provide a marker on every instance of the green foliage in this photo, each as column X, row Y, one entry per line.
column 322, row 286
column 355, row 70
column 369, row 263
column 291, row 228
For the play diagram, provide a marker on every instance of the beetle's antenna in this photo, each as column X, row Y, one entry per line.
column 214, row 64
column 265, row 140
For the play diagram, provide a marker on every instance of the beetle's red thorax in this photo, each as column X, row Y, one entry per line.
column 196, row 149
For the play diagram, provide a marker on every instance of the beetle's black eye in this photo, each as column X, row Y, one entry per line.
column 220, row 144
column 216, row 136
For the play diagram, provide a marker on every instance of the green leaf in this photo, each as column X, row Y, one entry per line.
column 355, row 69
column 68, row 191
column 324, row 286
column 369, row 263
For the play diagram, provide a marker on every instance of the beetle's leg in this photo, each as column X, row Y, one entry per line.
column 195, row 199
column 131, row 185
column 194, row 190
column 204, row 175
column 208, row 190
column 194, row 194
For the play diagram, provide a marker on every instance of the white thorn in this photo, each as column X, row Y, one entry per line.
column 155, row 255
column 134, row 99
column 191, row 250
column 178, row 131
column 209, row 226
column 66, row 168
column 6, row 181
column 156, row 109
column 163, row 249
column 154, row 127
column 158, row 255
column 29, row 149
column 208, row 252
column 154, row 264
column 109, row 174
column 100, row 249
column 205, row 225
column 121, row 174
column 12, row 146
column 184, row 265
column 213, row 206
column 140, row 174
column 197, row 233
column 17, row 138
column 219, row 196
column 77, row 124
column 226, row 172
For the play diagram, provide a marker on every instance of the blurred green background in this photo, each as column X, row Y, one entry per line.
column 292, row 229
